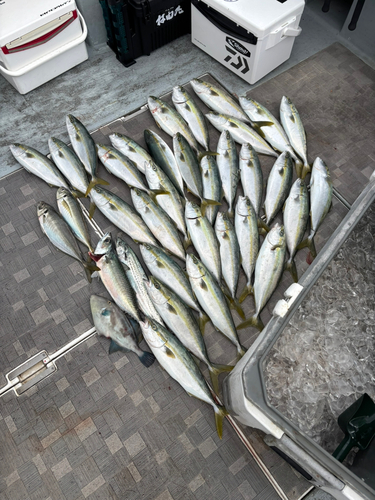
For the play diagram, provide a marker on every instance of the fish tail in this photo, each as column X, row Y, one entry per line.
column 299, row 166
column 215, row 370
column 291, row 267
column 153, row 193
column 203, row 319
column 90, row 268
column 202, row 154
column 220, row 414
column 91, row 209
column 253, row 321
column 206, row 202
column 241, row 351
column 146, row 358
column 187, row 241
column 94, row 181
column 305, row 170
column 77, row 194
column 263, row 225
column 234, row 304
column 310, row 244
column 245, row 292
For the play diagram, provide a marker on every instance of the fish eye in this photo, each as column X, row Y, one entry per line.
column 154, row 167
column 153, row 326
column 195, row 260
column 157, row 286
column 282, row 232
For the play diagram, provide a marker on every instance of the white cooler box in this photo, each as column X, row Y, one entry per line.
column 39, row 40
column 250, row 37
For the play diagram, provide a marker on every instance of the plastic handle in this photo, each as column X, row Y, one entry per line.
column 343, row 448
column 292, row 31
column 51, row 55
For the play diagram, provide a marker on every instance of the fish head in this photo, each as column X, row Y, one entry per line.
column 251, row 106
column 55, row 145
column 139, row 198
column 276, row 236
column 216, row 119
column 102, row 151
column 100, row 196
column 247, row 151
column 155, row 105
column 286, row 105
column 122, row 248
column 43, row 208
column 179, row 95
column 201, row 87
column 157, row 291
column 152, row 172
column 207, row 163
column 63, row 194
column 104, row 244
column 298, row 189
column 73, row 125
column 19, row 150
column 222, row 223
column 244, row 206
column 320, row 167
column 102, row 311
column 152, row 333
column 118, row 140
column 226, row 143
column 192, row 210
column 179, row 143
column 148, row 253
column 194, row 267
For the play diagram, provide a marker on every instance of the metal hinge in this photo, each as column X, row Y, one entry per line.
column 283, row 305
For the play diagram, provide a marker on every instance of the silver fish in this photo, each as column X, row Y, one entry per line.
column 171, row 202
column 218, row 99
column 240, row 132
column 296, row 214
column 60, row 235
column 69, row 164
column 193, row 116
column 295, row 131
column 261, row 118
column 212, row 189
column 84, row 147
column 170, row 121
column 278, row 186
column 227, row 162
column 321, row 190
column 159, row 223
column 122, row 215
column 38, row 164
column 113, row 276
column 111, row 322
column 212, row 300
column 246, row 226
column 164, row 157
column 229, row 251
column 181, row 320
column 130, row 149
column 72, row 214
column 137, row 278
column 119, row 165
column 204, row 240
column 268, row 270
column 251, row 176
column 179, row 364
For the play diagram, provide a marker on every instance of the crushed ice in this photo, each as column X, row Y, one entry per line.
column 324, row 360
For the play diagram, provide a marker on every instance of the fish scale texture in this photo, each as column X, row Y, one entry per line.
column 104, row 426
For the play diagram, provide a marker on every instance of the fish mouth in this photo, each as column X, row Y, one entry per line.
column 17, row 150
column 95, row 257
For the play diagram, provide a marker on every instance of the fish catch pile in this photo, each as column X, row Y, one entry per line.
column 323, row 361
column 191, row 195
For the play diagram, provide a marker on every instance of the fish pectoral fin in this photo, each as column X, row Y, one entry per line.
column 214, row 93
column 159, row 264
column 187, row 107
column 233, row 125
column 203, row 285
column 114, row 346
column 91, row 210
column 125, row 267
column 169, row 352
column 112, row 207
column 291, row 117
column 263, row 123
column 171, row 309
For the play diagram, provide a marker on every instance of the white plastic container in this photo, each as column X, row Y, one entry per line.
column 39, row 40
column 249, row 37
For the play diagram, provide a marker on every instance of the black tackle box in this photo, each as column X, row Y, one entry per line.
column 137, row 27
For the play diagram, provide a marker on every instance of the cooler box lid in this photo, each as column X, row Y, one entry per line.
column 259, row 17
column 21, row 17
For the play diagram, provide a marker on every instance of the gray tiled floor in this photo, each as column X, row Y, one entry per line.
column 104, row 426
